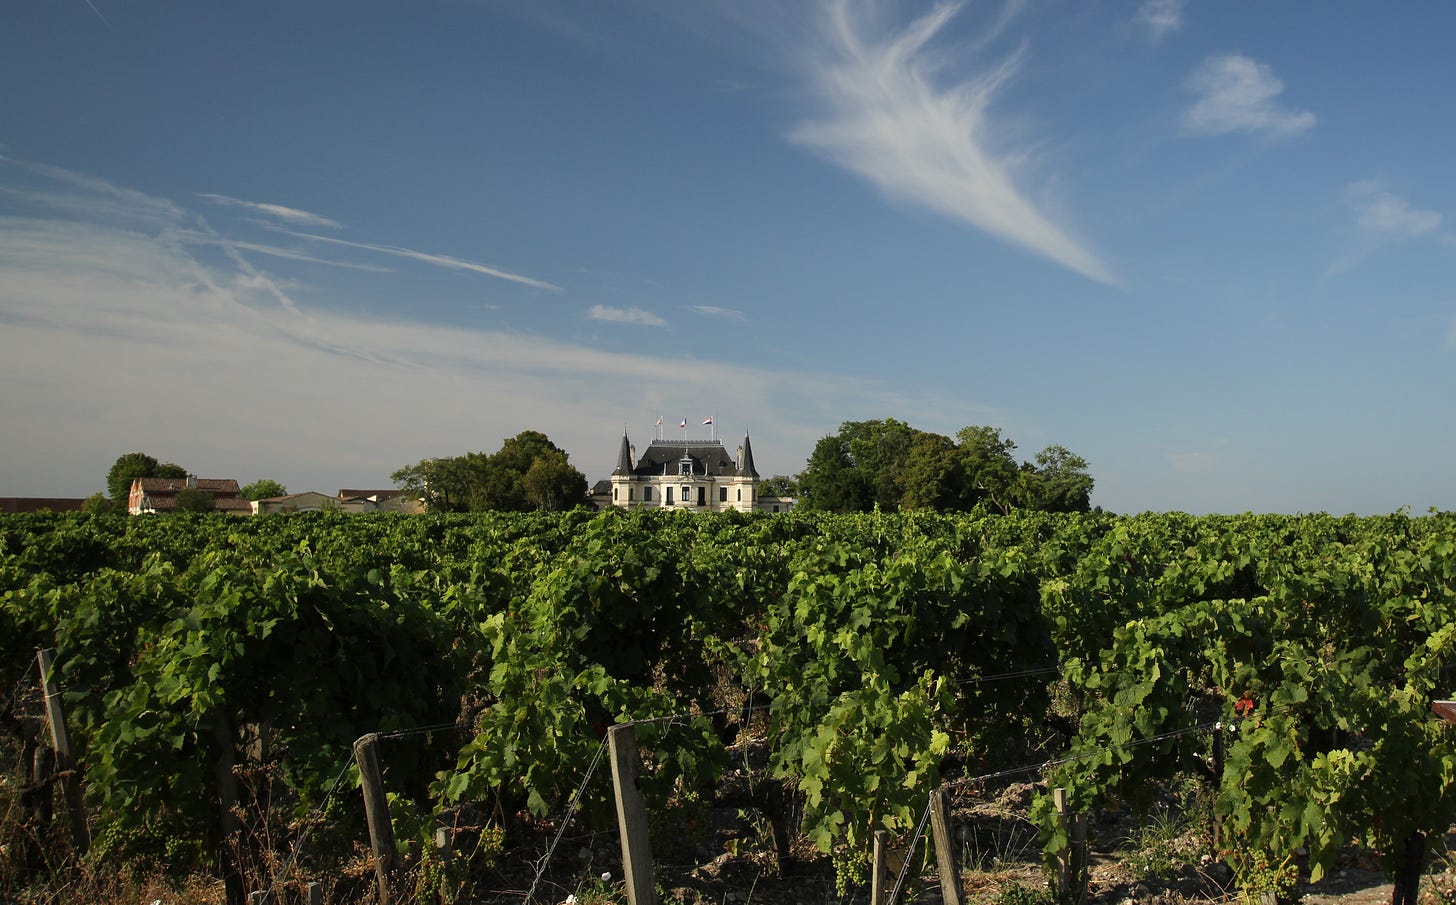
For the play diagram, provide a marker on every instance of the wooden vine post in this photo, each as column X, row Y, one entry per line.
column 951, row 892
column 1072, row 863
column 1218, row 759
column 227, row 802
column 881, row 883
column 376, row 812
column 65, row 759
column 631, row 815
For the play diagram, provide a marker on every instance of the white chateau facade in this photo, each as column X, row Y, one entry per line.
column 693, row 475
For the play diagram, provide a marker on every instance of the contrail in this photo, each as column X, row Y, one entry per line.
column 98, row 13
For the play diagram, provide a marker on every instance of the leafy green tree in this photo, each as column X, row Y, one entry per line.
column 135, row 465
column 830, row 482
column 779, row 485
column 890, row 465
column 477, row 482
column 1057, row 482
column 192, row 500
column 262, row 489
column 552, row 484
column 988, row 469
column 98, row 504
column 932, row 478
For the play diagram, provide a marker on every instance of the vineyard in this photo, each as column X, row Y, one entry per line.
column 817, row 677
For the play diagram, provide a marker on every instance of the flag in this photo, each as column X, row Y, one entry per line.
column 708, row 420
column 659, row 421
column 684, row 423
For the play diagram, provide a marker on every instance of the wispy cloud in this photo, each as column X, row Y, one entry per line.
column 1381, row 214
column 1237, row 94
column 1380, row 217
column 426, row 258
column 638, row 316
column 276, row 211
column 727, row 314
column 126, row 340
column 197, row 238
column 98, row 13
column 883, row 115
column 98, row 198
column 1161, row 17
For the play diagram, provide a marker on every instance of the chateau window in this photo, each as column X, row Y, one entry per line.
column 722, row 494
column 630, row 492
column 614, row 494
column 684, row 467
column 740, row 494
column 647, row 494
column 702, row 493
column 686, row 491
column 669, row 496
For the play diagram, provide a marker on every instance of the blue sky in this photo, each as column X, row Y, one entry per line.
column 1207, row 246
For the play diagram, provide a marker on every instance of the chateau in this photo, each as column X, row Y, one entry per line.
column 696, row 475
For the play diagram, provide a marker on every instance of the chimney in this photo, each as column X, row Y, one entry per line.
column 633, row 454
column 192, row 482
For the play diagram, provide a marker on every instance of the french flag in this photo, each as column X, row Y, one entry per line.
column 707, row 420
column 684, row 423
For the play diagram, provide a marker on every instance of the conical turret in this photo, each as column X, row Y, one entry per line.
column 624, row 459
column 745, row 461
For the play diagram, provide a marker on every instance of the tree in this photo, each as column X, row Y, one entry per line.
column 830, row 482
column 263, row 489
column 932, row 478
column 989, row 473
column 552, row 484
column 478, row 482
column 1058, row 482
column 193, row 500
column 780, row 485
column 98, row 504
column 890, row 465
column 135, row 465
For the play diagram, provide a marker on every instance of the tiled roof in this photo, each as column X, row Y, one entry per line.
column 168, row 501
column 225, row 486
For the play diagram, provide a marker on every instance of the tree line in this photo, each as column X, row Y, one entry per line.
column 890, row 466
column 877, row 464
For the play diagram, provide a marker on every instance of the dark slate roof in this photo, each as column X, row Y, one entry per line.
column 662, row 457
column 745, row 467
column 624, row 458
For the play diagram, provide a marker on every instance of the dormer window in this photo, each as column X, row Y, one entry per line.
column 685, row 467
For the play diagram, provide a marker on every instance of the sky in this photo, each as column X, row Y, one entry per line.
column 1207, row 246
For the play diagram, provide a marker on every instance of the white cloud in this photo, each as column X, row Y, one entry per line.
column 116, row 340
column 1381, row 214
column 728, row 314
column 1161, row 17
column 1237, row 94
column 637, row 316
column 882, row 115
column 436, row 260
column 276, row 211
